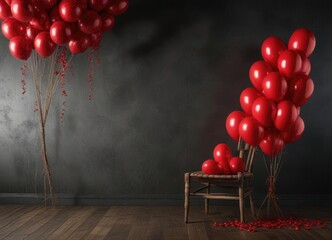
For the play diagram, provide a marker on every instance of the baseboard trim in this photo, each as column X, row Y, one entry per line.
column 70, row 199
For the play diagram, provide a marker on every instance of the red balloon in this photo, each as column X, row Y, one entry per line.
column 11, row 27
column 306, row 66
column 272, row 143
column 264, row 111
column 70, row 10
column 303, row 41
column 257, row 73
column 20, row 47
column 247, row 97
column 274, row 86
column 301, row 88
column 95, row 39
column 117, row 7
column 79, row 43
column 40, row 21
column 236, row 165
column 5, row 11
column 211, row 167
column 295, row 132
column 98, row 5
column 289, row 63
column 22, row 10
column 222, row 154
column 232, row 124
column 271, row 48
column 44, row 45
column 44, row 4
column 31, row 33
column 108, row 21
column 9, row 2
column 251, row 131
column 60, row 32
column 90, row 22
column 286, row 115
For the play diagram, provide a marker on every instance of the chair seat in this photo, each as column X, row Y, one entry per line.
column 200, row 174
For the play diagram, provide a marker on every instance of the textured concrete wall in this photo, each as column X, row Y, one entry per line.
column 170, row 73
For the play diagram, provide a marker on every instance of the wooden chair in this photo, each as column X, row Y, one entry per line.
column 242, row 182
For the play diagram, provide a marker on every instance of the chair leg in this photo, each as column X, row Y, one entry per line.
column 186, row 196
column 252, row 206
column 241, row 203
column 207, row 200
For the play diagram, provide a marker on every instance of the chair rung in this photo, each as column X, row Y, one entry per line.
column 221, row 197
column 216, row 195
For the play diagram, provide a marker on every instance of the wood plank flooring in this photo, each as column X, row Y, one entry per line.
column 35, row 222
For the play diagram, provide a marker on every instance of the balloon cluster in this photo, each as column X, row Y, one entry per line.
column 43, row 24
column 281, row 86
column 223, row 162
column 271, row 108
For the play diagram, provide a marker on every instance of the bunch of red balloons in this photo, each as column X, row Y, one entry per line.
column 281, row 86
column 223, row 162
column 270, row 116
column 43, row 24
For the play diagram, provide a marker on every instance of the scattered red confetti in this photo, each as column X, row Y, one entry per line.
column 91, row 72
column 63, row 110
column 293, row 223
column 61, row 73
column 94, row 60
column 24, row 69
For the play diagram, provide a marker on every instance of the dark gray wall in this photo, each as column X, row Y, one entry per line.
column 170, row 73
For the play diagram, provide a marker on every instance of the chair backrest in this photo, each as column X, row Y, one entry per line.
column 247, row 153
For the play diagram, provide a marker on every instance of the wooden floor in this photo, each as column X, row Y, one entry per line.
column 142, row 222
